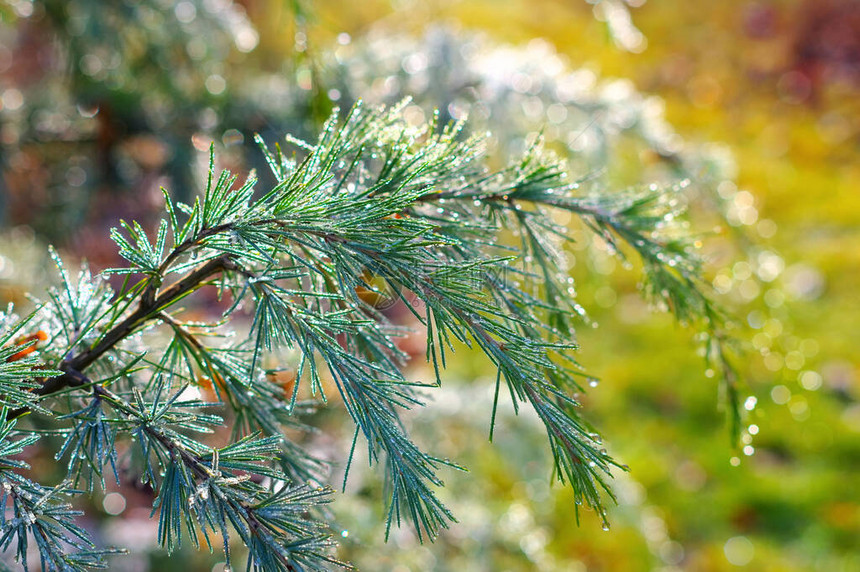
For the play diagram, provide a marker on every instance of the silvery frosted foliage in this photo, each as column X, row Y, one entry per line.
column 616, row 14
column 514, row 91
column 377, row 198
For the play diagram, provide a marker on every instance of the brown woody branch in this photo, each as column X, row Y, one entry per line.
column 148, row 310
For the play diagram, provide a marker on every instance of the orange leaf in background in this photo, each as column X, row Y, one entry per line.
column 39, row 336
column 285, row 378
column 282, row 378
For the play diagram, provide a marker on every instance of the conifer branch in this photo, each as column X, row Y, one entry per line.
column 375, row 199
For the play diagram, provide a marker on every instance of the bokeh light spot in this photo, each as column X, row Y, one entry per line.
column 739, row 550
